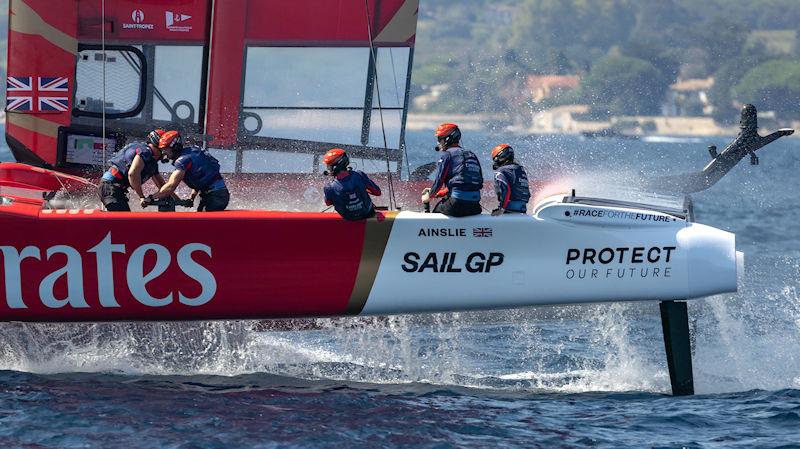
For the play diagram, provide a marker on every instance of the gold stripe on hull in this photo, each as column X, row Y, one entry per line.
column 376, row 237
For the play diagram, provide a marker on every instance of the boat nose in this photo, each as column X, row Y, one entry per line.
column 712, row 260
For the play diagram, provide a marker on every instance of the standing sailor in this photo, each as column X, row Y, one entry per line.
column 198, row 169
column 510, row 182
column 130, row 168
column 350, row 189
column 459, row 178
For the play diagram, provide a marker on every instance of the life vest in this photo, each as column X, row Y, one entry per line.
column 122, row 160
column 460, row 171
column 201, row 169
column 511, row 186
column 349, row 195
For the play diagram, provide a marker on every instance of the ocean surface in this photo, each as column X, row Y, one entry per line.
column 577, row 376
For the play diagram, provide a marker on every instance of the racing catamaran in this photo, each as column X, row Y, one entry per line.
column 252, row 264
column 266, row 264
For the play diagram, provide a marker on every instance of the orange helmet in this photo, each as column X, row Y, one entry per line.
column 172, row 140
column 336, row 159
column 448, row 134
column 502, row 155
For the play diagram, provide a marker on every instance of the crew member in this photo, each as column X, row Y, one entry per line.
column 510, row 182
column 198, row 169
column 349, row 191
column 130, row 168
column 459, row 178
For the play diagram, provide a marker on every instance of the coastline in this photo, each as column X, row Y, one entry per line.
column 560, row 121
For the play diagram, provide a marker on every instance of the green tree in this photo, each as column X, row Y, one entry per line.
column 723, row 40
column 728, row 76
column 772, row 85
column 622, row 85
column 663, row 58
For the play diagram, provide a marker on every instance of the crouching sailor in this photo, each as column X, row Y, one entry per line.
column 130, row 168
column 350, row 189
column 510, row 182
column 198, row 169
column 459, row 178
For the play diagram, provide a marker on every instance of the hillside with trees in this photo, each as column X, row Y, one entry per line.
column 626, row 52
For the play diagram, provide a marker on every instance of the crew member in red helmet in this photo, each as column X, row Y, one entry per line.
column 350, row 189
column 459, row 178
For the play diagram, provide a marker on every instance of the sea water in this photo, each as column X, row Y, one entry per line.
column 576, row 376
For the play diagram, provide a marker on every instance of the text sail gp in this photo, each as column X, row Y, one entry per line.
column 448, row 262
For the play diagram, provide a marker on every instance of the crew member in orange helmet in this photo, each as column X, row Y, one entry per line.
column 350, row 189
column 198, row 169
column 459, row 178
column 510, row 182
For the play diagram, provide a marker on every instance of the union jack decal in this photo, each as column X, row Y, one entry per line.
column 481, row 232
column 44, row 94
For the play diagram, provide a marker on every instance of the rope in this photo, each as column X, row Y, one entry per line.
column 397, row 98
column 64, row 188
column 103, row 46
column 392, row 199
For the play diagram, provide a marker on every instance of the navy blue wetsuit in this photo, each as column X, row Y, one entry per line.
column 201, row 173
column 349, row 194
column 511, row 186
column 114, row 184
column 459, row 180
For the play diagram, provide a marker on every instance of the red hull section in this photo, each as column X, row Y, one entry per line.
column 62, row 265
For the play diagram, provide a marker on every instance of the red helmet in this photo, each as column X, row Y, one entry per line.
column 448, row 134
column 336, row 159
column 172, row 140
column 502, row 155
column 154, row 136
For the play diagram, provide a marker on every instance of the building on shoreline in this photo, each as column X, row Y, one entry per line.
column 688, row 98
column 542, row 87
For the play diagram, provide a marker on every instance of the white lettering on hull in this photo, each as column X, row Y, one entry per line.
column 73, row 269
column 136, row 279
column 13, row 261
column 104, row 252
column 197, row 272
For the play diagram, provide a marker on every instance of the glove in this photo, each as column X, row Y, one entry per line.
column 189, row 202
column 146, row 201
column 426, row 195
column 498, row 211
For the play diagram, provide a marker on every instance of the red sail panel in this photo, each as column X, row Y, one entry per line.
column 41, row 66
column 141, row 21
column 225, row 72
column 330, row 22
